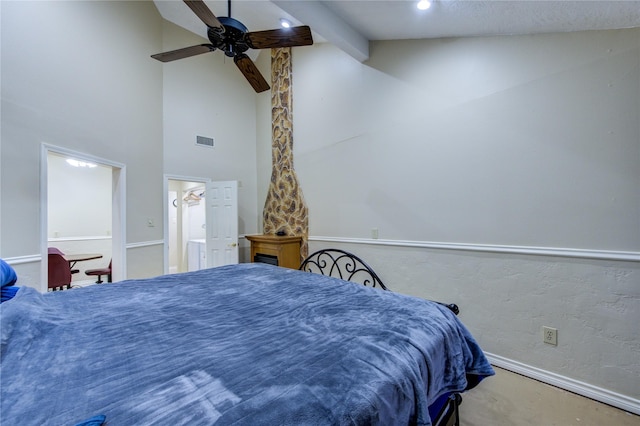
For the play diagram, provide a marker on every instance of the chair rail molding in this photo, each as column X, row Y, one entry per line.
column 145, row 244
column 628, row 256
column 17, row 260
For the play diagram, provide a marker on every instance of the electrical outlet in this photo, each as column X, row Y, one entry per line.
column 550, row 335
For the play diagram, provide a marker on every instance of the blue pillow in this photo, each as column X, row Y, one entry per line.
column 7, row 292
column 8, row 275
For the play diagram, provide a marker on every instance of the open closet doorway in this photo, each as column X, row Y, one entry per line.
column 82, row 216
column 201, row 224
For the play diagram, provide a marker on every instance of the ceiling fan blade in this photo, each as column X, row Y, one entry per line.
column 282, row 37
column 251, row 73
column 185, row 52
column 204, row 13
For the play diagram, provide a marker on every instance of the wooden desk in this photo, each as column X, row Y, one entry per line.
column 286, row 250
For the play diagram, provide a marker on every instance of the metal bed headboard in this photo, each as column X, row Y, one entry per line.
column 341, row 264
column 349, row 267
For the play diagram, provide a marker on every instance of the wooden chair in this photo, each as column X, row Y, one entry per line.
column 100, row 272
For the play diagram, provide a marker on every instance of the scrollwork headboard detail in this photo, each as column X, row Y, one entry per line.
column 349, row 267
column 341, row 264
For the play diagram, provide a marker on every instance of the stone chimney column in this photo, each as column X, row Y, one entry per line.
column 284, row 209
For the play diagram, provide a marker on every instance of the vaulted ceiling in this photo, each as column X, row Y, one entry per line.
column 350, row 25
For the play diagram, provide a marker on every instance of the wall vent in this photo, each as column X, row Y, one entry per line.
column 204, row 141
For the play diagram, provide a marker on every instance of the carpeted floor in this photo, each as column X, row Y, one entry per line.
column 510, row 399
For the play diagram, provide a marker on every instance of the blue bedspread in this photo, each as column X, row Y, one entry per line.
column 247, row 344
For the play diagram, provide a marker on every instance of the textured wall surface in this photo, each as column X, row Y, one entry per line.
column 285, row 208
column 505, row 299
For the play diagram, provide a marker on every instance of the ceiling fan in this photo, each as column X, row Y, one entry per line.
column 233, row 38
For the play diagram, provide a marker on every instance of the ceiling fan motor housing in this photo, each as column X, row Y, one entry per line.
column 231, row 41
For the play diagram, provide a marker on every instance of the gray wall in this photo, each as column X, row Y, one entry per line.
column 78, row 75
column 84, row 191
column 207, row 95
column 503, row 174
column 501, row 140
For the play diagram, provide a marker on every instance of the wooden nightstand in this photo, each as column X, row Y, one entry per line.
column 281, row 251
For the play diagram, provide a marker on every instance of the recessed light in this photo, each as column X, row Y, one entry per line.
column 284, row 23
column 424, row 4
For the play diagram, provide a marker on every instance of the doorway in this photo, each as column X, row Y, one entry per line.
column 186, row 226
column 82, row 212
column 201, row 224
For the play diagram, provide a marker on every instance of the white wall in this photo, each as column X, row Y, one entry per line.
column 470, row 154
column 78, row 75
column 263, row 138
column 536, row 136
column 78, row 199
column 206, row 95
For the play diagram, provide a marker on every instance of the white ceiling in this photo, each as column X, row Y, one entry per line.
column 351, row 24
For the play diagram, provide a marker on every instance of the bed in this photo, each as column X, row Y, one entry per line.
column 247, row 344
column 347, row 266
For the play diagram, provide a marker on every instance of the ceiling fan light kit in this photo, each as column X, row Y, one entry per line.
column 234, row 39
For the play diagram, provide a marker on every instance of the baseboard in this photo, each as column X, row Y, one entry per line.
column 605, row 396
column 84, row 283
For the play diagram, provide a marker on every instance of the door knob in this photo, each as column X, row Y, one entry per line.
column 233, row 244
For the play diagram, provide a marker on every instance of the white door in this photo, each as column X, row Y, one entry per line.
column 222, row 223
